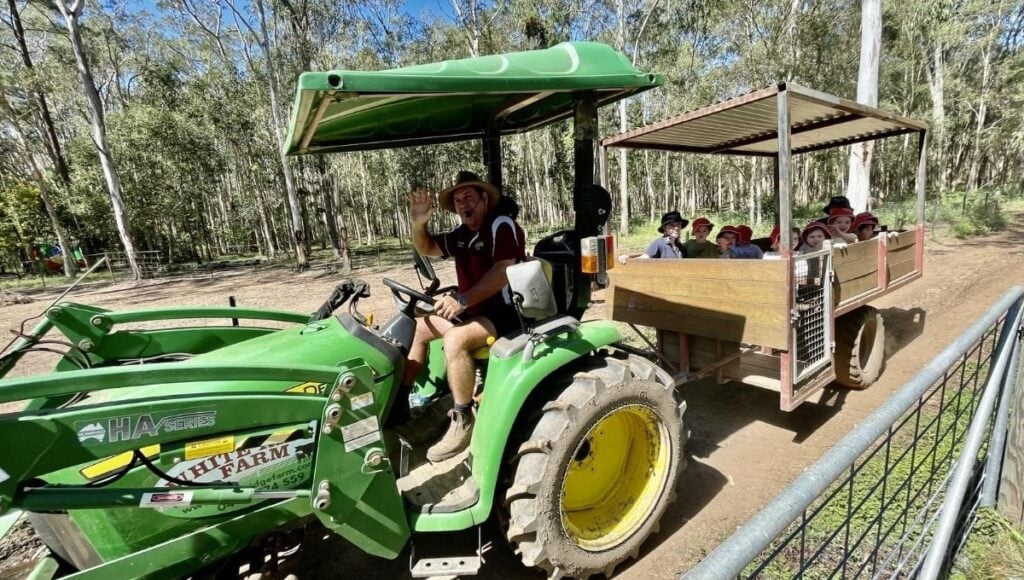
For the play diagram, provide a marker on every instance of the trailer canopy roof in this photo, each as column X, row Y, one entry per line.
column 457, row 99
column 748, row 125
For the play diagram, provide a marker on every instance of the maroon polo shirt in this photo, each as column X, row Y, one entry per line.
column 475, row 253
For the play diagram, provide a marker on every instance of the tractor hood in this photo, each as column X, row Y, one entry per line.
column 455, row 100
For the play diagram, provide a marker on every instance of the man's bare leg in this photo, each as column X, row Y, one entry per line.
column 459, row 343
column 427, row 329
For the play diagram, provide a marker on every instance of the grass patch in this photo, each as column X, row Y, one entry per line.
column 994, row 549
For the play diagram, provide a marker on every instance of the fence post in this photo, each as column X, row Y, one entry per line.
column 110, row 269
column 1010, row 501
column 997, row 445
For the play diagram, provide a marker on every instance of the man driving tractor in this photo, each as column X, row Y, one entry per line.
column 483, row 246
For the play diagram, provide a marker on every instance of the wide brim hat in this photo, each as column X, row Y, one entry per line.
column 672, row 217
column 814, row 226
column 863, row 219
column 702, row 221
column 744, row 233
column 838, row 212
column 729, row 230
column 468, row 179
column 837, row 201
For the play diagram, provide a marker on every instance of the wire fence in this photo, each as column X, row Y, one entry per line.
column 876, row 505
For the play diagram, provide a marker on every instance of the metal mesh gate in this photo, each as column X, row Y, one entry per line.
column 812, row 312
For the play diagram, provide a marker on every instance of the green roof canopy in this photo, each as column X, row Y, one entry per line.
column 455, row 99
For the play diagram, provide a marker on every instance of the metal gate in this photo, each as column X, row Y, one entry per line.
column 812, row 313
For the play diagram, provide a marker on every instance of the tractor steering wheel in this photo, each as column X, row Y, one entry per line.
column 401, row 291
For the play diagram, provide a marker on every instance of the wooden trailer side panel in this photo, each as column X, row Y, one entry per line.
column 730, row 300
column 856, row 271
column 901, row 257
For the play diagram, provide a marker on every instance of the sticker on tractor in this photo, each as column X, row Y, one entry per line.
column 166, row 499
column 361, row 401
column 208, row 447
column 116, row 462
column 359, row 428
column 363, row 441
column 130, row 428
column 3, row 476
column 270, row 466
column 308, row 389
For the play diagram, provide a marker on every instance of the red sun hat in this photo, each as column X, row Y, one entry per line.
column 745, row 233
column 702, row 221
column 729, row 230
column 838, row 212
column 811, row 227
column 863, row 219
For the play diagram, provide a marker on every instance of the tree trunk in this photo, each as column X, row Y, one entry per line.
column 986, row 71
column 936, row 88
column 99, row 134
column 52, row 143
column 297, row 230
column 620, row 41
column 867, row 93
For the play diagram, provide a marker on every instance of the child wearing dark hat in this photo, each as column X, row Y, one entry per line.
column 668, row 245
column 698, row 246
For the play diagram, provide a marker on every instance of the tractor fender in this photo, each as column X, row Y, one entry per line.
column 508, row 384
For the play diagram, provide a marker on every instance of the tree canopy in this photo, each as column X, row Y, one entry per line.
column 196, row 95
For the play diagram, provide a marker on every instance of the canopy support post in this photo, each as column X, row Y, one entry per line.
column 585, row 136
column 492, row 155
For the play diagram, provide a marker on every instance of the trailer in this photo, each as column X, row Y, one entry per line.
column 793, row 325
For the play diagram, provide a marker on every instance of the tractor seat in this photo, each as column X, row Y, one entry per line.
column 484, row 352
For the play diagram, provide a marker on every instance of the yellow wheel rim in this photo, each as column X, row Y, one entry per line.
column 615, row 478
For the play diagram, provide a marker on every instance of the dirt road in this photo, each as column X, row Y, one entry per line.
column 733, row 427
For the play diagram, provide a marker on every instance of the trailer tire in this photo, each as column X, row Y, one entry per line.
column 597, row 470
column 860, row 347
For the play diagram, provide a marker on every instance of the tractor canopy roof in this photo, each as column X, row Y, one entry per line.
column 455, row 100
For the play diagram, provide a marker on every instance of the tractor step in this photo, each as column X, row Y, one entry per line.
column 444, row 487
column 448, row 567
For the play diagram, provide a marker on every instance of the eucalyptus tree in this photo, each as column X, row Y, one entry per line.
column 72, row 18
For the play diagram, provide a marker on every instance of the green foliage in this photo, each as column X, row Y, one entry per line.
column 994, row 549
column 22, row 221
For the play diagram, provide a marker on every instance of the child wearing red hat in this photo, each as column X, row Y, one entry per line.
column 726, row 240
column 699, row 246
column 813, row 236
column 864, row 225
column 839, row 221
column 743, row 249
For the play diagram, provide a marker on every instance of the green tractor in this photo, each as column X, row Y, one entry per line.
column 164, row 452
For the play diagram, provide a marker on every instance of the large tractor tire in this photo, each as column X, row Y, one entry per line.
column 597, row 471
column 860, row 347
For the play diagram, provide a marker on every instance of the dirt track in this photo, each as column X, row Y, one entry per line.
column 733, row 427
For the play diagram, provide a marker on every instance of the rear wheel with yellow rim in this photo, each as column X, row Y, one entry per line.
column 598, row 470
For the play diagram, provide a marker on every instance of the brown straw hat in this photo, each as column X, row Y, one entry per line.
column 468, row 179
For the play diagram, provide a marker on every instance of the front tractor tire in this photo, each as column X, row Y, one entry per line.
column 597, row 471
column 860, row 347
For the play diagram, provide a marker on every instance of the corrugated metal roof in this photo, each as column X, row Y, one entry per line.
column 747, row 125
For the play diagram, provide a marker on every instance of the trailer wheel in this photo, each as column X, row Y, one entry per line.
column 597, row 471
column 860, row 347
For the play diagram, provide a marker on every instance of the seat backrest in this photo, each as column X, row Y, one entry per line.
column 531, row 281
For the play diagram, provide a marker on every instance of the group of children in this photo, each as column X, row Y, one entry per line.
column 840, row 223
